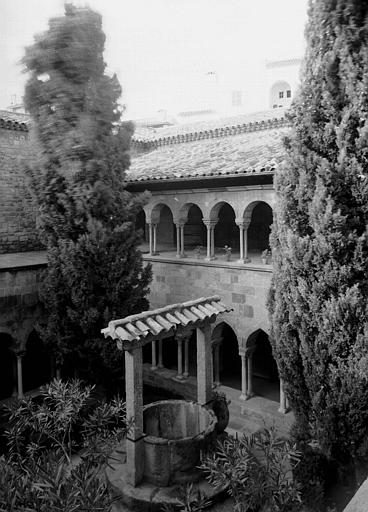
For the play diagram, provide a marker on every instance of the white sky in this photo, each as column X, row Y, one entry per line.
column 162, row 49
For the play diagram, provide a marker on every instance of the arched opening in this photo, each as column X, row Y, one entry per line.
column 36, row 363
column 7, row 366
column 229, row 359
column 264, row 368
column 166, row 232
column 226, row 230
column 141, row 225
column 280, row 94
column 194, row 229
column 259, row 229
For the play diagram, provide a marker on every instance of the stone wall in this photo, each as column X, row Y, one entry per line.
column 17, row 212
column 244, row 289
column 19, row 302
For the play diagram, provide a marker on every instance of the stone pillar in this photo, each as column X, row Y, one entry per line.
column 150, row 238
column 177, row 240
column 179, row 375
column 153, row 360
column 186, row 358
column 210, row 225
column 134, row 414
column 20, row 374
column 244, row 383
column 58, row 373
column 15, row 377
column 155, row 239
column 243, row 238
column 204, row 364
column 160, row 363
column 216, row 362
column 182, row 252
column 284, row 406
column 250, row 375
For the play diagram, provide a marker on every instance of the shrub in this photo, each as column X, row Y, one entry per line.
column 257, row 470
column 41, row 470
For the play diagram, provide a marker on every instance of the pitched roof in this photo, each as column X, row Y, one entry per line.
column 137, row 330
column 258, row 152
column 14, row 121
column 209, row 127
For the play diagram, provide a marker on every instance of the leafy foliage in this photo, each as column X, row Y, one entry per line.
column 319, row 299
column 188, row 500
column 257, row 471
column 41, row 471
column 86, row 216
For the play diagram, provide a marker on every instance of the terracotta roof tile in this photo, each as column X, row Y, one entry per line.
column 137, row 330
column 245, row 153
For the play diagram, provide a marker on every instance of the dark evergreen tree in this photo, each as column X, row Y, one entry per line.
column 319, row 298
column 86, row 217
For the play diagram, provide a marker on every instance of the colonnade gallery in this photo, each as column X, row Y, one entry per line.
column 205, row 231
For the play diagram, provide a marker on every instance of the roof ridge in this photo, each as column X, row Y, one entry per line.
column 211, row 133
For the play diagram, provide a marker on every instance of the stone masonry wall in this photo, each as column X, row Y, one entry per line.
column 245, row 290
column 17, row 212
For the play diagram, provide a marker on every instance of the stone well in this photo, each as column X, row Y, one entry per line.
column 175, row 433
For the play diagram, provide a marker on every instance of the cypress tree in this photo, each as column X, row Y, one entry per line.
column 86, row 216
column 319, row 296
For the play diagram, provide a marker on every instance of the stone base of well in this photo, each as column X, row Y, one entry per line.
column 148, row 497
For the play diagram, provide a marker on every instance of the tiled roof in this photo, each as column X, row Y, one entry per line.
column 145, row 134
column 137, row 330
column 14, row 121
column 254, row 152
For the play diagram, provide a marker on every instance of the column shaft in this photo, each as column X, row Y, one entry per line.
column 284, row 406
column 180, row 360
column 186, row 358
column 216, row 364
column 154, row 238
column 134, row 414
column 208, row 242
column 178, row 241
column 182, row 252
column 244, row 383
column 160, row 363
column 204, row 364
column 20, row 376
column 250, row 376
column 153, row 358
column 245, row 239
column 241, row 241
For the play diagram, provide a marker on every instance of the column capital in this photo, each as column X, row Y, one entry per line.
column 243, row 222
column 216, row 341
column 210, row 223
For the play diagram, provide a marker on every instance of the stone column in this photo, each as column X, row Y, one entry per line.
column 150, row 238
column 58, row 373
column 177, row 240
column 134, row 414
column 20, row 374
column 243, row 238
column 204, row 364
column 244, row 383
column 182, row 252
column 160, row 363
column 155, row 240
column 15, row 377
column 186, row 358
column 284, row 406
column 210, row 225
column 216, row 362
column 180, row 358
column 153, row 360
column 250, row 375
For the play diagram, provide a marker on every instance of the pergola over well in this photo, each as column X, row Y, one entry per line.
column 135, row 331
